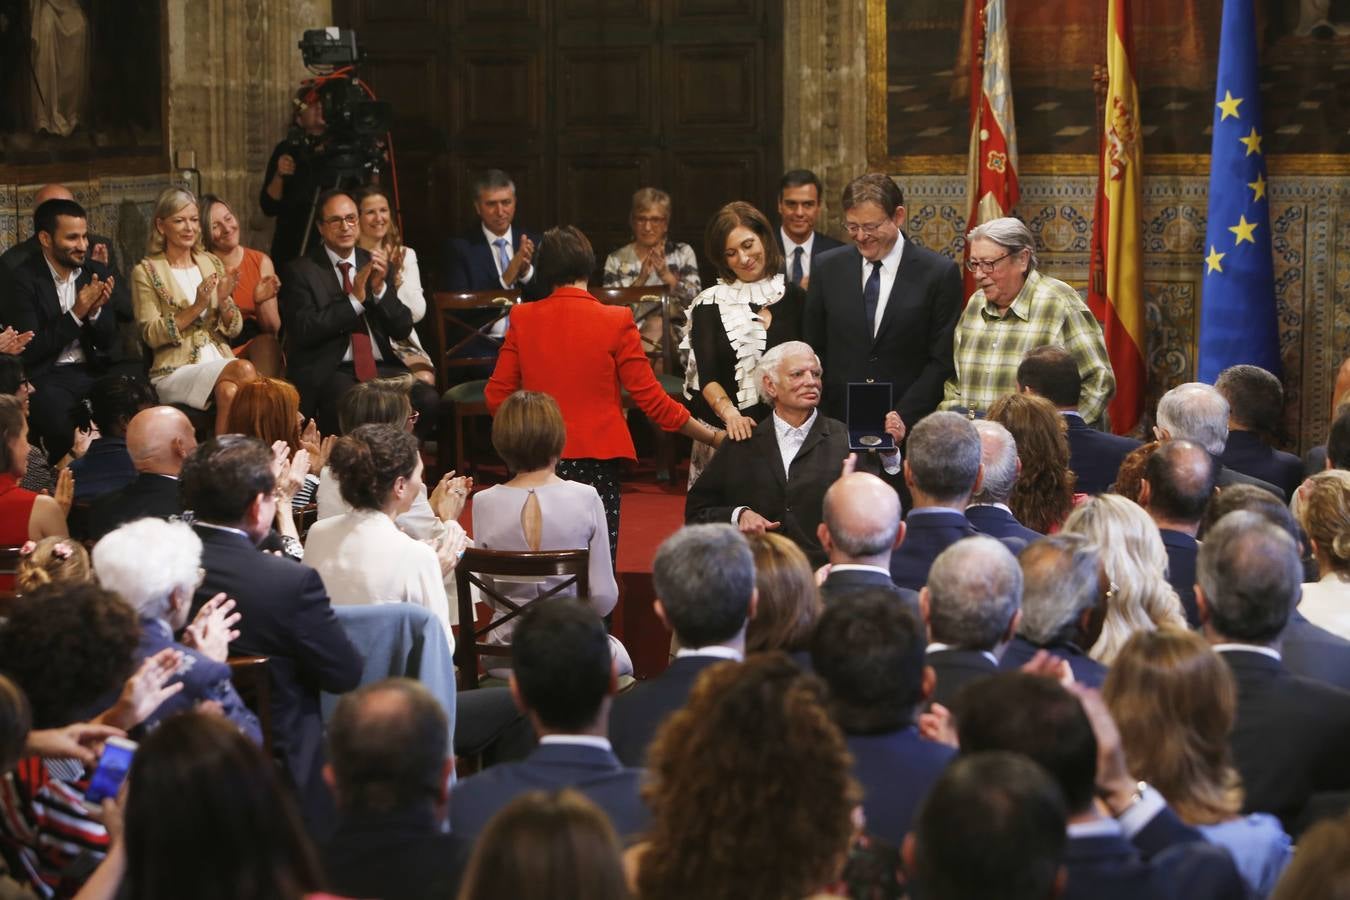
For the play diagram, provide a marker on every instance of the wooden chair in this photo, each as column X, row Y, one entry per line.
column 477, row 569
column 9, row 559
column 307, row 516
column 254, row 684
column 463, row 322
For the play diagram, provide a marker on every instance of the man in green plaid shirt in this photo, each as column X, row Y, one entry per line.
column 1017, row 309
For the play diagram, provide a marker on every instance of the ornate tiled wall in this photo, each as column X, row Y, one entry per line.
column 1310, row 225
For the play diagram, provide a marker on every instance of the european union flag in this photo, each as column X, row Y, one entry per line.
column 1238, row 322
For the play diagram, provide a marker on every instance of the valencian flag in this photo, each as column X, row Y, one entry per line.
column 1237, row 313
column 991, row 180
column 1115, row 288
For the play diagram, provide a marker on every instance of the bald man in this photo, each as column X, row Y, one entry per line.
column 158, row 440
column 860, row 527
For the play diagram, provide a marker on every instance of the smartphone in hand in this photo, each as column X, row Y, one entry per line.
column 111, row 771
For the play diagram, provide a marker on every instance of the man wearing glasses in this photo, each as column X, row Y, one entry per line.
column 339, row 312
column 1015, row 310
column 883, row 309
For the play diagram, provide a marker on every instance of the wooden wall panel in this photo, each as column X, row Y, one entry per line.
column 595, row 191
column 606, row 89
column 716, row 87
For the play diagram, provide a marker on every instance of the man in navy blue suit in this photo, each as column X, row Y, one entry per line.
column 1094, row 456
column 870, row 651
column 859, row 529
column 1063, row 606
column 1178, row 482
column 798, row 208
column 1123, row 840
column 493, row 254
column 563, row 678
column 988, row 510
column 1255, row 411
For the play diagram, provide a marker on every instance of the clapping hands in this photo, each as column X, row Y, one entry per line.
column 319, row 448
column 92, row 296
column 12, row 342
column 212, row 630
column 450, row 495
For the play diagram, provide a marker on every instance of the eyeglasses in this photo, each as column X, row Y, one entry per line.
column 414, row 416
column 985, row 265
column 650, row 220
column 341, row 220
column 870, row 229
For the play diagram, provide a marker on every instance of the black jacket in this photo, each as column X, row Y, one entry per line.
column 1095, row 456
column 30, row 303
column 1245, row 452
column 638, row 712
column 397, row 856
column 149, row 496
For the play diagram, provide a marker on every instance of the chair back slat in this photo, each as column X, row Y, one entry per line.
column 9, row 559
column 458, row 329
column 253, row 681
column 647, row 303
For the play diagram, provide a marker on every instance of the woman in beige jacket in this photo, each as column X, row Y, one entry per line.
column 185, row 312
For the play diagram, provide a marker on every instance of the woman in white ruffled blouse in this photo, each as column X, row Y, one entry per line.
column 732, row 323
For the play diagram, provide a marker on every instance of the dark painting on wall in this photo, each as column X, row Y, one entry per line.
column 80, row 80
column 1054, row 44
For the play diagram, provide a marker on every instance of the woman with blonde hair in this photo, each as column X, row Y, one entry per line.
column 186, row 313
column 1132, row 552
column 789, row 600
column 52, row 560
column 1175, row 701
column 1042, row 497
column 1323, row 509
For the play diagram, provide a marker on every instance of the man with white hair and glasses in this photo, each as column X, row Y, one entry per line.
column 1016, row 309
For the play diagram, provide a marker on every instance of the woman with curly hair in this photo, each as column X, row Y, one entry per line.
column 1042, row 497
column 1130, row 477
column 789, row 601
column 1323, row 509
column 762, row 813
column 1174, row 701
column 1132, row 552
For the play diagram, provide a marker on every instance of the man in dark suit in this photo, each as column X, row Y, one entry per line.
column 1123, row 840
column 988, row 510
column 973, row 602
column 942, row 469
column 1292, row 734
column 799, row 193
column 861, row 526
column 1255, row 411
column 704, row 578
column 159, row 439
column 1063, row 606
column 340, row 313
column 389, row 769
column 1094, row 456
column 776, row 480
column 870, row 651
column 1178, row 483
column 229, row 485
column 1197, row 412
column 563, row 679
column 59, row 295
column 493, row 254
column 892, row 322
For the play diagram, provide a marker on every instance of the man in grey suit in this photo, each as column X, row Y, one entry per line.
column 1197, row 412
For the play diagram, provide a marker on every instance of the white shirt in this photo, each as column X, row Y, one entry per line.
column 790, row 246
column 1131, row 821
column 791, row 438
column 937, row 646
column 859, row 567
column 1237, row 646
column 716, row 650
column 492, row 240
column 65, row 295
column 890, row 264
column 1326, row 604
column 585, row 740
column 357, row 305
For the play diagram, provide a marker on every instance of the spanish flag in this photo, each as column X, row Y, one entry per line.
column 991, row 171
column 1115, row 291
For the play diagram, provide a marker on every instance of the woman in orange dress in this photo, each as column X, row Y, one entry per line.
column 256, row 291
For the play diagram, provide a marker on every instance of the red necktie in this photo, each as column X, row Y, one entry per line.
column 363, row 358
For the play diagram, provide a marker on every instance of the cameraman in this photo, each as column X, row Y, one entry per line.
column 289, row 184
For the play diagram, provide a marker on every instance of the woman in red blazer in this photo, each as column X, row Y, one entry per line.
column 578, row 350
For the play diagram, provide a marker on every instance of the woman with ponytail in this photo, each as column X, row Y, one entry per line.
column 361, row 555
column 52, row 560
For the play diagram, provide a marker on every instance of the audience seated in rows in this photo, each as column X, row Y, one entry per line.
column 563, row 677
column 1256, row 422
column 106, row 465
column 788, row 601
column 1178, row 483
column 1043, row 492
column 493, row 254
column 704, row 579
column 24, row 515
column 988, row 509
column 1064, row 601
column 870, row 652
column 159, row 439
column 860, row 528
column 973, row 604
column 1197, row 412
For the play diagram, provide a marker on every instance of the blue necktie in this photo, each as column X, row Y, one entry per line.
column 503, row 258
column 871, row 294
column 797, row 266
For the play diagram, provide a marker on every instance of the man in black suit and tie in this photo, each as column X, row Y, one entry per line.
column 973, row 603
column 229, row 485
column 799, row 194
column 1292, row 734
column 1255, row 410
column 59, row 295
column 776, row 480
column 389, row 767
column 1063, row 606
column 704, row 577
column 339, row 314
column 563, row 679
column 861, row 527
column 1197, row 412
column 1123, row 840
column 870, row 652
column 884, row 309
column 493, row 254
column 1178, row 483
column 1094, row 456
column 988, row 510
column 159, row 439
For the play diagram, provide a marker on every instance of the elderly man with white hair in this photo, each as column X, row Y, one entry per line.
column 1197, row 412
column 155, row 566
column 988, row 510
column 776, row 480
column 1016, row 309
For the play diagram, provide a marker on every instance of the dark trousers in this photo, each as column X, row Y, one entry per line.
column 424, row 398
column 54, row 408
column 603, row 475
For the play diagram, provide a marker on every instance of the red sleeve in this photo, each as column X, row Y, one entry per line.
column 505, row 379
column 635, row 374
